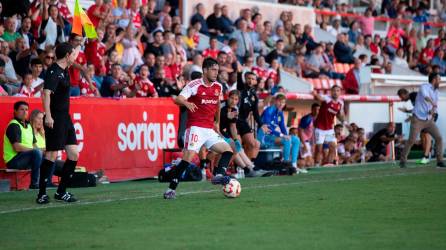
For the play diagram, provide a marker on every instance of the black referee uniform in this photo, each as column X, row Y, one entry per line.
column 58, row 81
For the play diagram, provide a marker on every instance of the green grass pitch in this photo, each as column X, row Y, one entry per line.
column 356, row 207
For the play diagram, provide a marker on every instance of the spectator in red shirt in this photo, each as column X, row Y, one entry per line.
column 261, row 69
column 95, row 52
column 351, row 81
column 98, row 12
column 79, row 66
column 142, row 86
column 213, row 50
column 427, row 53
column 89, row 88
column 27, row 89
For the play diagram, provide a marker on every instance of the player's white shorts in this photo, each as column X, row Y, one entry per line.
column 195, row 137
column 307, row 153
column 324, row 136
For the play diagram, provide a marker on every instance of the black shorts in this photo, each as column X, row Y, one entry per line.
column 243, row 128
column 61, row 134
column 376, row 152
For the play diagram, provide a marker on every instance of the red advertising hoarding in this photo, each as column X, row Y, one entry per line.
column 123, row 137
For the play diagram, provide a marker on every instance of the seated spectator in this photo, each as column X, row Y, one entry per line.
column 87, row 88
column 439, row 60
column 116, row 84
column 10, row 34
column 278, row 53
column 215, row 22
column 353, row 32
column 227, row 25
column 260, row 69
column 190, row 41
column 274, row 118
column 377, row 146
column 213, row 50
column 347, row 153
column 307, row 39
column 5, row 53
column 342, row 50
column 228, row 128
column 19, row 146
column 162, row 86
column 198, row 17
column 320, row 65
column 399, row 58
column 36, row 121
column 27, row 89
column 245, row 46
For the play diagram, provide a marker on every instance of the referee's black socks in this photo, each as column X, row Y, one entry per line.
column 176, row 174
column 67, row 171
column 45, row 169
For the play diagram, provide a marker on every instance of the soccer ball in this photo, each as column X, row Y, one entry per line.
column 232, row 189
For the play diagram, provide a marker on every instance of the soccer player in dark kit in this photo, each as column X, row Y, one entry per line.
column 59, row 129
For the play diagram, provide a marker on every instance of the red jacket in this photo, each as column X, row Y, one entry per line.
column 350, row 83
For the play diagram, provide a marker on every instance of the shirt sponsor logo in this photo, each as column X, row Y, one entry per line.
column 207, row 101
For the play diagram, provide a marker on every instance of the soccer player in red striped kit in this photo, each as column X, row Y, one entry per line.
column 331, row 106
column 201, row 97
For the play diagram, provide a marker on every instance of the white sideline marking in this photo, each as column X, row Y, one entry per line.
column 83, row 203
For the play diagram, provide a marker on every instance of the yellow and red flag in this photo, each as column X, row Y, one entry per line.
column 81, row 20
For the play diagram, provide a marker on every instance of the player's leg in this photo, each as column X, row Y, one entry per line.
column 319, row 150
column 218, row 145
column 416, row 126
column 433, row 130
column 67, row 171
column 295, row 146
column 426, row 140
column 45, row 168
column 193, row 140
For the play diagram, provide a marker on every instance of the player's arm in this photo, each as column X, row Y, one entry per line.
column 317, row 96
column 217, row 120
column 46, row 107
column 182, row 101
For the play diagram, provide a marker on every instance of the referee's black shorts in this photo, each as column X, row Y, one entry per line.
column 61, row 134
column 243, row 127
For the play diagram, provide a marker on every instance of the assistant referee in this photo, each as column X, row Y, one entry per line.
column 59, row 129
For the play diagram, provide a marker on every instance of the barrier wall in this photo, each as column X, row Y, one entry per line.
column 123, row 137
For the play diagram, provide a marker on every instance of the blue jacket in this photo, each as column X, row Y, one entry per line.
column 273, row 118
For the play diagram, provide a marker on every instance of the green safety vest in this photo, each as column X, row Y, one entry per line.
column 26, row 141
column 40, row 141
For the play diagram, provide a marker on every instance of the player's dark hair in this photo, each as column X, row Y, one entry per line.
column 234, row 92
column 432, row 76
column 335, row 86
column 18, row 104
column 249, row 73
column 402, row 91
column 209, row 62
column 196, row 75
column 315, row 105
column 63, row 49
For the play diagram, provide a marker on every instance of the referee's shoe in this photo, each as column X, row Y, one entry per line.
column 66, row 197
